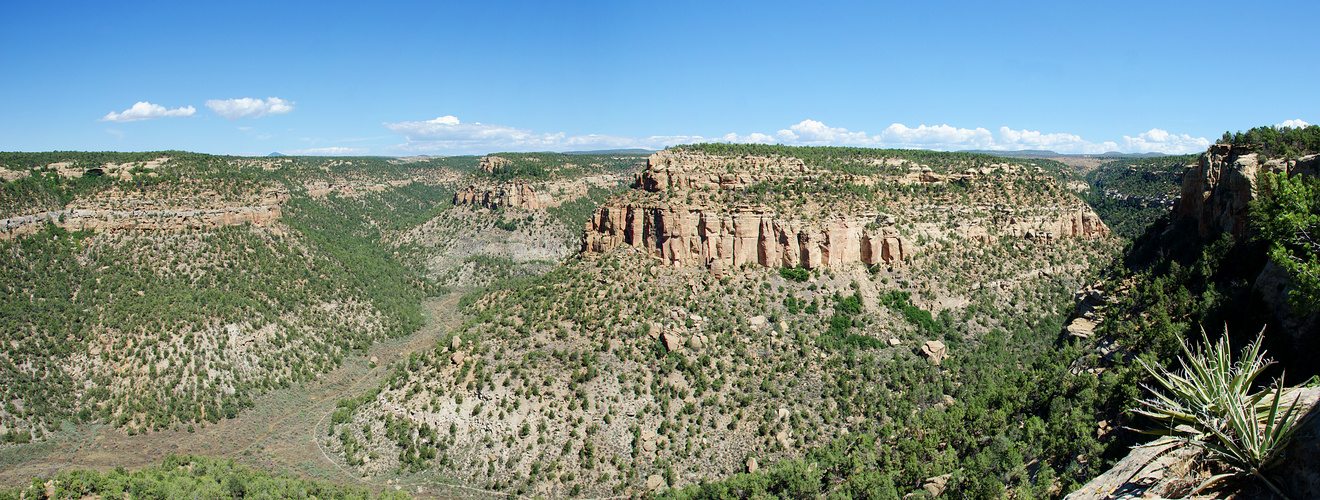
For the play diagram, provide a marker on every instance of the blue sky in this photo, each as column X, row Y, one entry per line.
column 458, row 78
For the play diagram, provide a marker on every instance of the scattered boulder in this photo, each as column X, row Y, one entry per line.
column 654, row 482
column 457, row 358
column 935, row 486
column 1081, row 327
column 895, row 342
column 752, row 466
column 374, row 360
column 757, row 322
column 673, row 342
column 455, row 342
column 935, row 351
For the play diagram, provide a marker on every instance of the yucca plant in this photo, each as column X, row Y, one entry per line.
column 1208, row 404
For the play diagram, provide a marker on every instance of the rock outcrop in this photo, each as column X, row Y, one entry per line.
column 1216, row 196
column 133, row 214
column 1162, row 470
column 533, row 196
column 515, row 195
column 721, row 236
column 1219, row 188
column 678, row 235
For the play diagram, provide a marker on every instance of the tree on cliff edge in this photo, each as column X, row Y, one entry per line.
column 1289, row 219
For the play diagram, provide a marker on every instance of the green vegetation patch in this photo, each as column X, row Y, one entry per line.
column 188, row 477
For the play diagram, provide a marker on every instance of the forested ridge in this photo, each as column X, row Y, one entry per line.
column 550, row 166
column 154, row 330
column 1131, row 193
column 863, row 160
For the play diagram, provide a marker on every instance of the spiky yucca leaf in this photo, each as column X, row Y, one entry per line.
column 1208, row 403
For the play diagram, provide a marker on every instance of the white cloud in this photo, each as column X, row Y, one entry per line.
column 941, row 137
column 327, row 151
column 812, row 132
column 449, row 135
column 144, row 110
column 248, row 107
column 1292, row 124
column 1156, row 140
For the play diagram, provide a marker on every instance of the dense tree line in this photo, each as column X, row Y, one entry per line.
column 1277, row 142
column 187, row 477
column 547, row 166
column 853, row 160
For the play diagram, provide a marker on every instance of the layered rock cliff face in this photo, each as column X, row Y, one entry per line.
column 676, row 212
column 515, row 195
column 532, row 196
column 1216, row 195
column 113, row 213
column 1218, row 189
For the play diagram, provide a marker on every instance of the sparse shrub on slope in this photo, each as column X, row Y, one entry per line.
column 149, row 329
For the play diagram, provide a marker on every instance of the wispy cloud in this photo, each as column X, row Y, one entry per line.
column 327, row 151
column 247, row 107
column 449, row 135
column 144, row 110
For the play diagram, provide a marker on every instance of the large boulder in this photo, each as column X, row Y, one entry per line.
column 673, row 342
column 935, row 351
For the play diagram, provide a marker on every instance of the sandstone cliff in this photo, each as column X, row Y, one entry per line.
column 1218, row 189
column 516, row 195
column 678, row 213
column 113, row 213
column 533, row 196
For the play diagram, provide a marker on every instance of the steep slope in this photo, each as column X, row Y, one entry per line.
column 518, row 215
column 1131, row 193
column 166, row 291
column 649, row 362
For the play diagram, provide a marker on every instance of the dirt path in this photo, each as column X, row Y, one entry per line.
column 278, row 434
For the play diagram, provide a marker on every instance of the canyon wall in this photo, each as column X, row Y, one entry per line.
column 722, row 236
column 682, row 236
column 533, row 196
column 133, row 214
column 1219, row 188
column 512, row 195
